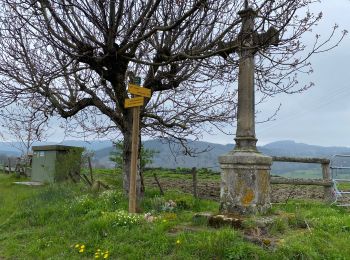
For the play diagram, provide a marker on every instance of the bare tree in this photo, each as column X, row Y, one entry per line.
column 76, row 58
column 23, row 126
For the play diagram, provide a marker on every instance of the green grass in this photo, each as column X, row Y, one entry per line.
column 11, row 196
column 344, row 186
column 47, row 222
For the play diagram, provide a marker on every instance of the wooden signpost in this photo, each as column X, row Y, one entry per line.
column 135, row 102
column 139, row 91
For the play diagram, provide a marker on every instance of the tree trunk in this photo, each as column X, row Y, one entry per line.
column 127, row 164
column 140, row 166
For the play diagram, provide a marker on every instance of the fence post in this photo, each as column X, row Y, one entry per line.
column 90, row 169
column 194, row 180
column 158, row 183
column 9, row 160
column 328, row 190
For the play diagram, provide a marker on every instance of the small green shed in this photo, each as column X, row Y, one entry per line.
column 55, row 163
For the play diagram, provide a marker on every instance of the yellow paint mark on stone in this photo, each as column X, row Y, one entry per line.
column 248, row 197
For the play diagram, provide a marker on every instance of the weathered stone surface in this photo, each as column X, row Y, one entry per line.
column 238, row 221
column 225, row 220
column 244, row 158
column 245, row 183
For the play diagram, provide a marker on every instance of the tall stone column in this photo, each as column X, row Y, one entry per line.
column 245, row 176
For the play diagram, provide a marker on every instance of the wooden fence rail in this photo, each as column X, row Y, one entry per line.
column 326, row 180
column 301, row 159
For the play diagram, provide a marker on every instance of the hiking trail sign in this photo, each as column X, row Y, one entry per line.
column 133, row 102
column 139, row 93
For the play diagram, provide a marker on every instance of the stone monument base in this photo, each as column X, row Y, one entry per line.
column 245, row 182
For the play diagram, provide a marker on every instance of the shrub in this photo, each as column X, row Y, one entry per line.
column 110, row 199
column 108, row 221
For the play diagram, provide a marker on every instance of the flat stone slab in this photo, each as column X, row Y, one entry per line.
column 29, row 183
column 235, row 221
column 215, row 220
column 226, row 220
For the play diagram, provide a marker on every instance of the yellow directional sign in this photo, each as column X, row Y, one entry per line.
column 133, row 102
column 140, row 91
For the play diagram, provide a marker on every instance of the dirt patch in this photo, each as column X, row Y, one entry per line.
column 282, row 192
column 207, row 190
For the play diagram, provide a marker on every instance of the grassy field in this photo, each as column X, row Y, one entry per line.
column 10, row 197
column 68, row 221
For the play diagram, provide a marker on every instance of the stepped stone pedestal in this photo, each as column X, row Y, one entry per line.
column 245, row 182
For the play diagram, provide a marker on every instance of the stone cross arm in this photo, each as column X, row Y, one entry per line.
column 252, row 41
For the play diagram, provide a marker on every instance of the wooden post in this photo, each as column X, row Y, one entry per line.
column 194, row 181
column 135, row 102
column 90, row 169
column 328, row 190
column 134, row 155
column 300, row 159
column 158, row 183
column 9, row 165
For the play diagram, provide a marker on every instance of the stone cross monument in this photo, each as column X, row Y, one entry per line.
column 245, row 177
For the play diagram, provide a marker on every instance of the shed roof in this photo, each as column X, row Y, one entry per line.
column 55, row 148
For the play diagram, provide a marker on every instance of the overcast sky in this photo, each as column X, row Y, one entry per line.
column 321, row 115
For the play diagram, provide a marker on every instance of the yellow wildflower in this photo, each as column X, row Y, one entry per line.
column 82, row 247
column 81, row 250
column 77, row 245
column 178, row 242
column 105, row 256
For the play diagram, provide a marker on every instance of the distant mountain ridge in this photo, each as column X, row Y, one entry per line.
column 89, row 145
column 165, row 158
column 171, row 156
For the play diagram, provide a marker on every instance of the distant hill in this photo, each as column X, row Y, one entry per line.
column 171, row 156
column 293, row 149
column 10, row 147
column 90, row 145
column 209, row 159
